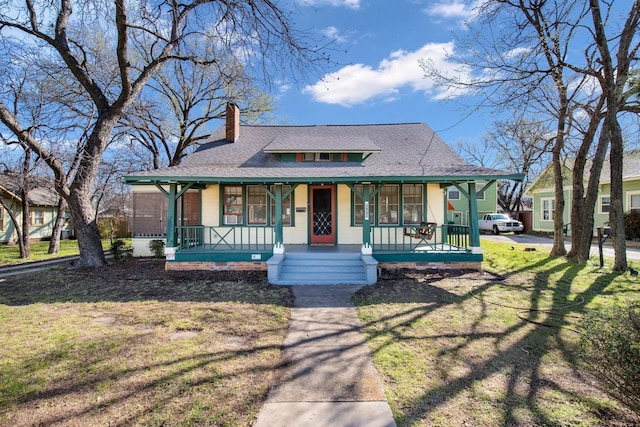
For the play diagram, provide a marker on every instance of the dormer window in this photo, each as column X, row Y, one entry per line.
column 317, row 149
column 322, row 157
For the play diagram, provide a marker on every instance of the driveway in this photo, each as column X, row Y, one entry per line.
column 547, row 242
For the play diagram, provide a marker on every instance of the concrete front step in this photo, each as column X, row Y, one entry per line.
column 321, row 269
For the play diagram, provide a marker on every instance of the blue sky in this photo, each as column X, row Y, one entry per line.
column 377, row 78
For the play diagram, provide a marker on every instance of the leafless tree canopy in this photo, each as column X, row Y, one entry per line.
column 95, row 58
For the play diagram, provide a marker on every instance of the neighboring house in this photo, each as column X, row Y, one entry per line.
column 458, row 205
column 43, row 201
column 282, row 198
column 542, row 191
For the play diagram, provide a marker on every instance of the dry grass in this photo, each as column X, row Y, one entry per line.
column 131, row 344
column 453, row 348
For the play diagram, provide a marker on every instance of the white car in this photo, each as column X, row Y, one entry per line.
column 499, row 223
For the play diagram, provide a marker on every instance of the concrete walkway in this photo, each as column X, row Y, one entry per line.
column 330, row 379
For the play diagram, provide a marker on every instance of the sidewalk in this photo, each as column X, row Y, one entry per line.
column 330, row 380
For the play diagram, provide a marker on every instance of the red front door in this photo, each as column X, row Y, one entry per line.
column 322, row 214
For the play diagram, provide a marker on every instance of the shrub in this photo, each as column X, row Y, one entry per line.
column 611, row 348
column 119, row 249
column 632, row 225
column 157, row 248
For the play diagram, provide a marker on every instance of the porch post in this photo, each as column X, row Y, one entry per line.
column 474, row 231
column 278, row 213
column 171, row 216
column 366, row 223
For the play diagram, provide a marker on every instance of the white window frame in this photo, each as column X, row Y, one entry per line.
column 454, row 190
column 600, row 203
column 37, row 217
column 552, row 208
column 629, row 196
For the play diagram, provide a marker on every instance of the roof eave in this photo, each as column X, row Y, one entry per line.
column 163, row 180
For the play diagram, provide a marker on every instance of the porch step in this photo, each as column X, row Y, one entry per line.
column 322, row 269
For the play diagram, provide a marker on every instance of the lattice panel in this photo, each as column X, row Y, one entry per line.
column 322, row 223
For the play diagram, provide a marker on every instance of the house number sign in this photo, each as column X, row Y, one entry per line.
column 366, row 211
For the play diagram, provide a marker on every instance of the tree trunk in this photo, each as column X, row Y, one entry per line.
column 616, row 213
column 558, row 248
column 14, row 220
column 25, row 248
column 583, row 204
column 89, row 241
column 54, row 243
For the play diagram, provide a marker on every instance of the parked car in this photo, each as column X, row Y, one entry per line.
column 499, row 223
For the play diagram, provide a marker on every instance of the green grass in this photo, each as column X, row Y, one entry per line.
column 10, row 254
column 462, row 348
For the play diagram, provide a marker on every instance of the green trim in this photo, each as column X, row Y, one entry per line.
column 449, row 179
column 380, row 257
column 474, row 229
column 430, row 257
column 171, row 216
column 221, row 256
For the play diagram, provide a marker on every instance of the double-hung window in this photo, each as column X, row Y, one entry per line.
column 232, row 205
column 37, row 217
column 634, row 202
column 256, row 205
column 388, row 203
column 412, row 203
column 605, row 204
column 548, row 208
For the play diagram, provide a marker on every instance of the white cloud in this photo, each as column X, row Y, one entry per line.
column 358, row 83
column 333, row 34
column 453, row 9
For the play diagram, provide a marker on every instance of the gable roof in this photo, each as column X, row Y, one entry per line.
column 630, row 171
column 407, row 152
column 41, row 192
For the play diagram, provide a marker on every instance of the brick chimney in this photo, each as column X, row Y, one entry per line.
column 232, row 122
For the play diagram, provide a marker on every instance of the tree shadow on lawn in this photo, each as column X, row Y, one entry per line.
column 141, row 280
column 92, row 389
column 498, row 346
column 62, row 365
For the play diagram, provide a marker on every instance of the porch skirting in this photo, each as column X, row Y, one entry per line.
column 216, row 266
column 262, row 266
column 455, row 265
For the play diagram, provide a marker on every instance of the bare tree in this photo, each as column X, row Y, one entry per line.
column 172, row 115
column 99, row 50
column 618, row 50
column 526, row 55
column 520, row 145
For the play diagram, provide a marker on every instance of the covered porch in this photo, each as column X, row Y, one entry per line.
column 351, row 220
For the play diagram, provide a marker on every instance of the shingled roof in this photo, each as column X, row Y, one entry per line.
column 41, row 191
column 407, row 152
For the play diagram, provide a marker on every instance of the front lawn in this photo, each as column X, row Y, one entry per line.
column 132, row 344
column 460, row 348
column 10, row 253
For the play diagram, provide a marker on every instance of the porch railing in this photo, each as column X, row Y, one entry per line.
column 420, row 238
column 225, row 238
